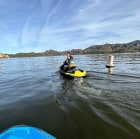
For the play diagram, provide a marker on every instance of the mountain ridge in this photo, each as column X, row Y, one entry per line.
column 133, row 46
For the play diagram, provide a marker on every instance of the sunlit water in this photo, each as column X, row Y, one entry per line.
column 100, row 106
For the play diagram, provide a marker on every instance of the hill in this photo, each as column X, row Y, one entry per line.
column 95, row 49
column 114, row 48
column 46, row 53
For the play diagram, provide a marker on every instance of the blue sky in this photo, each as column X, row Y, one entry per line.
column 39, row 25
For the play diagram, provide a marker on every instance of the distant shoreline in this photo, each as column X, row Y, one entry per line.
column 95, row 49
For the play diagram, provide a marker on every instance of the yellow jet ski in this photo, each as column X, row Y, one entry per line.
column 72, row 72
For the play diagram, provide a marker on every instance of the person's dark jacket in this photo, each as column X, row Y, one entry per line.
column 68, row 61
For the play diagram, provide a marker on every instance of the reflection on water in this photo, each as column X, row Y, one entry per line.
column 110, row 70
column 101, row 105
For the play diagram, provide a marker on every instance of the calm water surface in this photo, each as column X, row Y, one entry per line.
column 99, row 106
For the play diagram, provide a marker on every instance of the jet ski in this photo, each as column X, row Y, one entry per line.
column 25, row 132
column 72, row 72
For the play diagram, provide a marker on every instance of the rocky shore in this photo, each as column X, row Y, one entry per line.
column 4, row 55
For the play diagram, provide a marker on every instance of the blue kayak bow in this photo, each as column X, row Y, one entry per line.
column 25, row 132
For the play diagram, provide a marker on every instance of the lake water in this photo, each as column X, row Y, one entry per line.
column 100, row 106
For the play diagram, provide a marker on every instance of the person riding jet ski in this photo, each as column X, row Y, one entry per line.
column 69, row 70
column 68, row 63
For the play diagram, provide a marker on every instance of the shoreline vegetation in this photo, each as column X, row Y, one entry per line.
column 95, row 49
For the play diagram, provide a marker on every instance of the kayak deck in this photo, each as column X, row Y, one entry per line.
column 25, row 132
